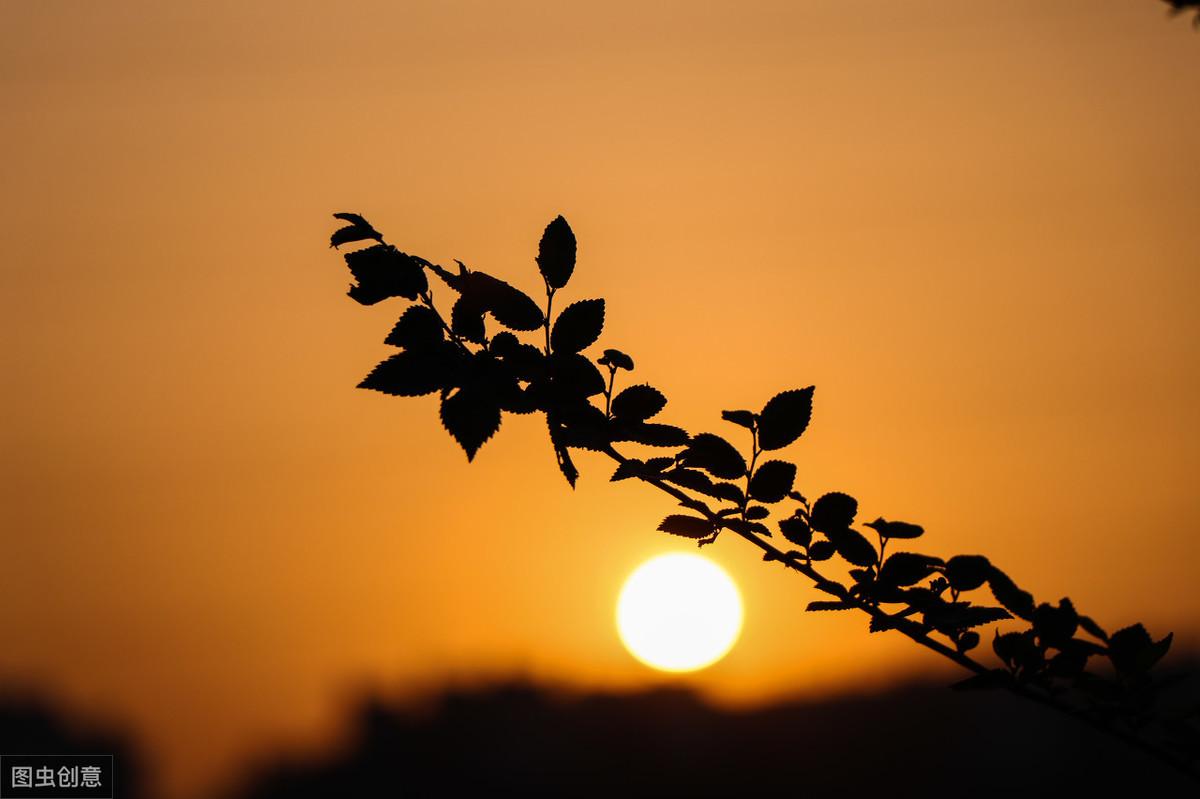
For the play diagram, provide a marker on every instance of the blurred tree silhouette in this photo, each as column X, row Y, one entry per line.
column 1183, row 6
column 1055, row 656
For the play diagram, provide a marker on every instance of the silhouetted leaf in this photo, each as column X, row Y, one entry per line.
column 616, row 359
column 784, row 418
column 906, row 568
column 628, row 468
column 715, row 455
column 382, row 271
column 834, row 511
column 796, row 530
column 561, row 454
column 742, row 418
column 772, row 481
column 1132, row 651
column 757, row 512
column 967, row 572
column 577, row 326
column 1007, row 594
column 510, row 306
column 418, row 327
column 686, row 526
column 471, row 416
column 698, row 481
column 466, row 319
column 638, row 403
column 359, row 229
column 556, row 254
column 895, row 529
column 822, row 604
column 821, row 550
column 1068, row 663
column 746, row 527
column 651, row 434
column 414, row 372
column 574, row 377
column 852, row 546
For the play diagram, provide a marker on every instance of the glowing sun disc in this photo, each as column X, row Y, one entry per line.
column 679, row 612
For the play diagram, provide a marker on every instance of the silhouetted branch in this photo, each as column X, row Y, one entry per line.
column 1045, row 662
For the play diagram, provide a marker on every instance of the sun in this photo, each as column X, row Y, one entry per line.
column 679, row 612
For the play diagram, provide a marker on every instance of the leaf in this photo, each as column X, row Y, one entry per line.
column 1007, row 594
column 741, row 418
column 574, row 377
column 382, row 271
column 578, row 326
column 561, row 454
column 715, row 455
column 686, row 526
column 651, row 434
column 796, row 530
column 746, row 527
column 772, row 481
column 852, row 546
column 413, row 373
column 628, row 468
column 1132, row 651
column 1087, row 623
column 895, row 529
column 822, row 604
column 466, row 319
column 967, row 641
column 880, row 624
column 556, row 253
column 638, row 403
column 757, row 513
column 471, row 416
column 967, row 572
column 359, row 229
column 834, row 511
column 907, row 568
column 418, row 327
column 616, row 359
column 821, row 550
column 510, row 306
column 698, row 481
column 784, row 418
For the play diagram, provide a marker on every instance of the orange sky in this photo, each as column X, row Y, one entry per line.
column 971, row 225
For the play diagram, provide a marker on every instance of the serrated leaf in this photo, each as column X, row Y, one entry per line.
column 1089, row 624
column 784, row 418
column 573, row 377
column 1055, row 625
column 418, row 327
column 471, row 416
column 686, row 526
column 772, row 481
column 638, row 403
column 757, row 513
column 715, row 455
column 895, row 529
column 509, row 305
column 359, row 229
column 821, row 550
column 880, row 624
column 413, row 373
column 795, row 529
column 628, row 468
column 822, row 605
column 741, row 418
column 1007, row 594
column 907, row 568
column 382, row 271
column 746, row 527
column 466, row 319
column 561, row 454
column 852, row 546
column 967, row 572
column 834, row 511
column 578, row 326
column 556, row 253
column 651, row 434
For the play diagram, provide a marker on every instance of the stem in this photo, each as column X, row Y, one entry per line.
column 917, row 633
column 549, row 306
column 612, row 375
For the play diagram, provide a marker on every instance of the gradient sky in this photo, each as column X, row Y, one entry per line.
column 973, row 226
